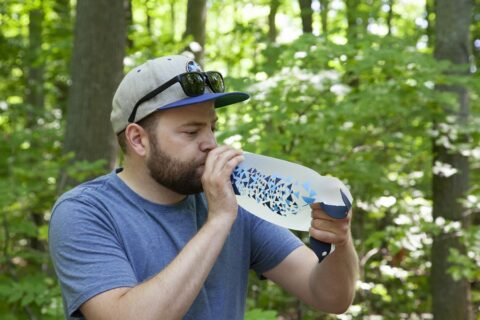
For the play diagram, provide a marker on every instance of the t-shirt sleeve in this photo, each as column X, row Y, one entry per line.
column 87, row 256
column 270, row 244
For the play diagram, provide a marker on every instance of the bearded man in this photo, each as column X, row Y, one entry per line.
column 163, row 237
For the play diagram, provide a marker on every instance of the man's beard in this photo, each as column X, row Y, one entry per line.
column 176, row 175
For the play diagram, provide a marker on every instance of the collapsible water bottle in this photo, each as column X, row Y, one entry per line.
column 281, row 192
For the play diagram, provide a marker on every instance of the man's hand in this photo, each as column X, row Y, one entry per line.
column 330, row 230
column 328, row 286
column 217, row 186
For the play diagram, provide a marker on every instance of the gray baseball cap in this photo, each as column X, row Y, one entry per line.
column 152, row 74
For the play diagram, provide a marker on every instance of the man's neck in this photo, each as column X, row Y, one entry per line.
column 140, row 181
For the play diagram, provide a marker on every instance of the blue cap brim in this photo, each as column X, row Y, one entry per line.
column 221, row 99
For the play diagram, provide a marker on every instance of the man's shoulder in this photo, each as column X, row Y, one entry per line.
column 91, row 189
column 91, row 198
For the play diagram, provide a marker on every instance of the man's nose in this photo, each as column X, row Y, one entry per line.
column 209, row 141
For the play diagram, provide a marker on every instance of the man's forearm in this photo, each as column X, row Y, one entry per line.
column 333, row 280
column 170, row 293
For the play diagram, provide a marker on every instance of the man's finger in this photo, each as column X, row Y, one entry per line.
column 320, row 214
column 323, row 224
column 214, row 155
column 315, row 205
column 224, row 157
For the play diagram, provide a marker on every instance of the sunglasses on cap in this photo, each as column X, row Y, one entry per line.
column 193, row 84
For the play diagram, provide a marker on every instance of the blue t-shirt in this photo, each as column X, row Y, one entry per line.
column 104, row 236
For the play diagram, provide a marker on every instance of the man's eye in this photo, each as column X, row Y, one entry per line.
column 191, row 132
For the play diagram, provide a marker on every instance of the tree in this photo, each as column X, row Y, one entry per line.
column 196, row 27
column 306, row 13
column 61, row 38
column 97, row 68
column 390, row 15
column 35, row 97
column 324, row 15
column 352, row 19
column 272, row 27
column 35, row 93
column 451, row 298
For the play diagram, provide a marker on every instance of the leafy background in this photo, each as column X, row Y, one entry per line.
column 362, row 109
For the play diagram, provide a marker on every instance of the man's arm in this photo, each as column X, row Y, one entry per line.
column 330, row 285
column 170, row 293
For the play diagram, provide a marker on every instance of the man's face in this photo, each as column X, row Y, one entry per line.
column 180, row 145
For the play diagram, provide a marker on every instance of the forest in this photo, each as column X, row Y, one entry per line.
column 383, row 94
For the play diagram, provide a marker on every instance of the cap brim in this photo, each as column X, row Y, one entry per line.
column 221, row 99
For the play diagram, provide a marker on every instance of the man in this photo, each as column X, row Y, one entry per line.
column 164, row 238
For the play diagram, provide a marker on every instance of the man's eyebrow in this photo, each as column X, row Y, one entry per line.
column 197, row 123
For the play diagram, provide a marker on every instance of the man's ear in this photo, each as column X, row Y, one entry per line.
column 137, row 139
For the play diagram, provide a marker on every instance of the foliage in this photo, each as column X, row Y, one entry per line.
column 259, row 314
column 362, row 111
column 28, row 189
column 30, row 162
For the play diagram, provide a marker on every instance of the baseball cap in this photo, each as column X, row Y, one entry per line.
column 151, row 75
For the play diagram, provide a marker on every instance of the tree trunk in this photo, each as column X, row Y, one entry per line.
column 127, row 5
column 324, row 16
column 272, row 27
column 352, row 24
column 62, row 31
column 353, row 28
column 97, row 68
column 148, row 23
column 196, row 27
column 35, row 95
column 390, row 16
column 451, row 299
column 149, row 8
column 306, row 14
column 35, row 67
column 172, row 20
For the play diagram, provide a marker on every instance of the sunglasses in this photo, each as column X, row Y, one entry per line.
column 193, row 84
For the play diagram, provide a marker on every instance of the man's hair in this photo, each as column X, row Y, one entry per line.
column 148, row 123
